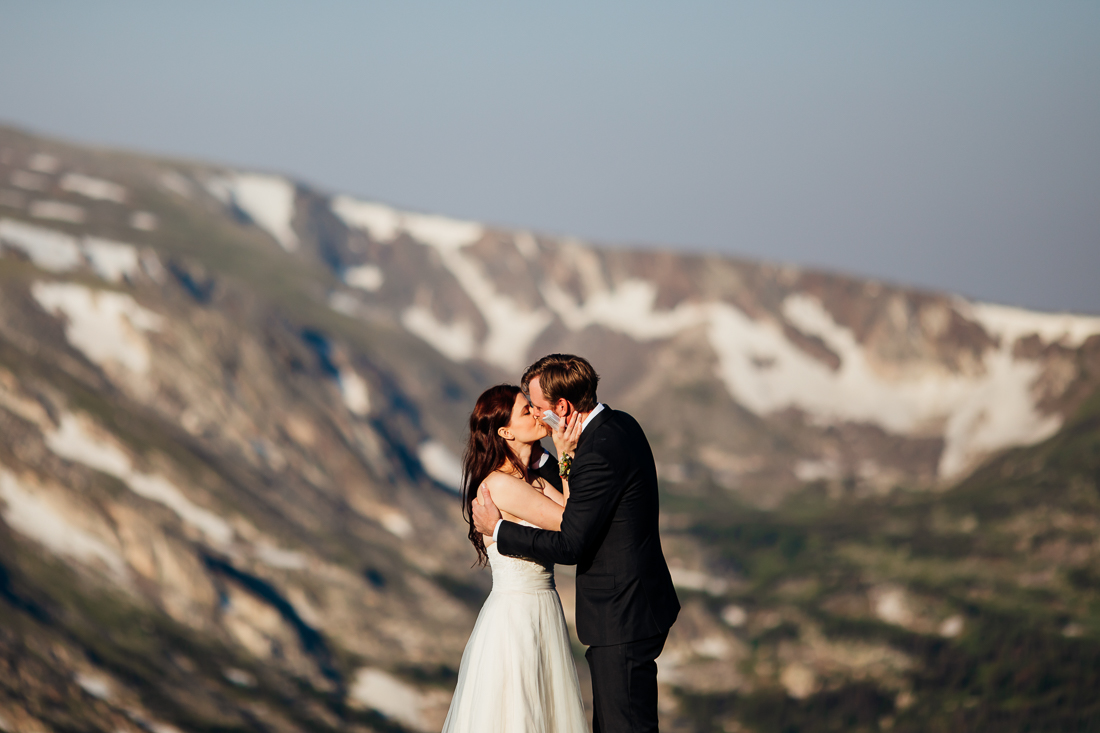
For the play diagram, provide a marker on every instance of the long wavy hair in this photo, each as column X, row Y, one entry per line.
column 486, row 451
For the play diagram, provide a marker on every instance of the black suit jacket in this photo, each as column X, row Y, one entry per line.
column 548, row 471
column 609, row 531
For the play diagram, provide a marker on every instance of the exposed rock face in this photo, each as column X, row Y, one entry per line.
column 231, row 408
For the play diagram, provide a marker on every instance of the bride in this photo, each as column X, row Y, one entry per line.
column 517, row 673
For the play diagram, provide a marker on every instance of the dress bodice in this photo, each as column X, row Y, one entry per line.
column 518, row 573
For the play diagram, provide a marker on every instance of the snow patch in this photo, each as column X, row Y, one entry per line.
column 161, row 490
column 355, row 392
column 765, row 372
column 93, row 188
column 150, row 263
column 44, row 163
column 268, row 200
column 952, row 626
column 345, row 303
column 281, row 559
column 442, row 232
column 156, row 727
column 711, row 647
column 144, row 221
column 628, row 308
column 75, row 442
column 29, row 181
column 527, row 245
column 587, row 265
column 364, row 277
column 1011, row 324
column 892, row 606
column 95, row 685
column 441, row 464
column 698, row 581
column 106, row 326
column 995, row 412
column 46, row 248
column 816, row 470
column 511, row 328
column 383, row 692
column 111, row 260
column 33, row 514
column 239, row 677
column 454, row 340
column 382, row 222
column 735, row 616
column 58, row 211
column 396, row 523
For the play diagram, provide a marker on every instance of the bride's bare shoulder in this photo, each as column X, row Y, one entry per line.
column 499, row 480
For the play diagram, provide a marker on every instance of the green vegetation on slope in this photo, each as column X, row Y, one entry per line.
column 1011, row 553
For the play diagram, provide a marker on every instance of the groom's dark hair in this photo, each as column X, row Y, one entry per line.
column 564, row 376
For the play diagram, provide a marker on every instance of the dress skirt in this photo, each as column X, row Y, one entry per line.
column 517, row 673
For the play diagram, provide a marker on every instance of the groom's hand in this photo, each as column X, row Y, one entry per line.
column 486, row 514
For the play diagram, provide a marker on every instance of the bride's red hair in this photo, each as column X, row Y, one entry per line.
column 486, row 451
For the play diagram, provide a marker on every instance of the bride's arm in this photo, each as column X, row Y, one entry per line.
column 548, row 488
column 521, row 499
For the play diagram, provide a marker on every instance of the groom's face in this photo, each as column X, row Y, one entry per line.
column 539, row 401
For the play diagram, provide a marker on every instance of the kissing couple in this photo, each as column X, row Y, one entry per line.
column 596, row 508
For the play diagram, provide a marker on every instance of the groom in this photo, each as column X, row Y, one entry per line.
column 625, row 599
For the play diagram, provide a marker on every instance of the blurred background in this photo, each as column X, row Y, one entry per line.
column 257, row 261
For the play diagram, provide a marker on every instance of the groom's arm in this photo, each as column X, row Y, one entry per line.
column 594, row 492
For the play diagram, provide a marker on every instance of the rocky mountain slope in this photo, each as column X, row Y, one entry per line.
column 231, row 407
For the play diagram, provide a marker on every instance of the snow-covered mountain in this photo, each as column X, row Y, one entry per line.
column 977, row 377
column 959, row 379
column 232, row 406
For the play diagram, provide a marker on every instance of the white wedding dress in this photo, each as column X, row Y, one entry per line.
column 517, row 673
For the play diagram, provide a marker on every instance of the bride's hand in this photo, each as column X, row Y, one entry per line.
column 567, row 435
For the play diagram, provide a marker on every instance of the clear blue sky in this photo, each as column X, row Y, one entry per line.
column 943, row 144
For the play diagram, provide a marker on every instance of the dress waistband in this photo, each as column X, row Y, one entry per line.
column 523, row 585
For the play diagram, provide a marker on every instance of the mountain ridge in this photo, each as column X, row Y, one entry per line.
column 232, row 408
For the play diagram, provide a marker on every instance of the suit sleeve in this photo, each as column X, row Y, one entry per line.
column 594, row 491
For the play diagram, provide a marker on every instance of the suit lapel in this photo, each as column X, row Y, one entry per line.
column 604, row 416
